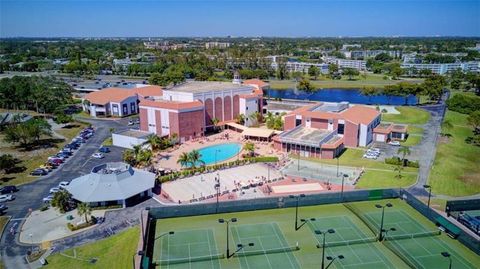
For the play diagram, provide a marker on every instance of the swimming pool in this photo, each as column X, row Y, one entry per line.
column 222, row 151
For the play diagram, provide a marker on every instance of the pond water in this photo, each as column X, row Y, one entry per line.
column 338, row 95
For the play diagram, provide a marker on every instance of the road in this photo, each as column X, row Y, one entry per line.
column 31, row 194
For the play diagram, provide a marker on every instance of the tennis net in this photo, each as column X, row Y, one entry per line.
column 351, row 242
column 402, row 254
column 267, row 251
column 191, row 259
column 411, row 236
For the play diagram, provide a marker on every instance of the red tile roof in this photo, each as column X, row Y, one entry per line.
column 104, row 96
column 151, row 90
column 258, row 84
column 360, row 114
column 171, row 104
column 248, row 96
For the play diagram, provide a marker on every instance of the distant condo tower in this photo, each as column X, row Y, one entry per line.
column 236, row 78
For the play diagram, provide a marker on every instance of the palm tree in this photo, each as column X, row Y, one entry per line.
column 174, row 138
column 154, row 141
column 250, row 147
column 398, row 168
column 215, row 122
column 404, row 151
column 61, row 200
column 129, row 157
column 84, row 209
column 195, row 157
column 240, row 119
column 270, row 120
column 255, row 117
column 184, row 159
column 145, row 157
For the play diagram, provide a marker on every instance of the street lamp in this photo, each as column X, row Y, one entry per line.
column 429, row 194
column 318, row 232
column 227, row 222
column 141, row 219
column 297, row 197
column 167, row 233
column 447, row 255
column 393, row 229
column 338, row 163
column 240, row 247
column 217, row 188
column 343, row 181
column 331, row 259
column 380, row 235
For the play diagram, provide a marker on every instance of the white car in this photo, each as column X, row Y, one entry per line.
column 98, row 155
column 54, row 190
column 394, row 143
column 130, row 123
column 374, row 150
column 366, row 156
column 48, row 199
column 6, row 197
column 63, row 184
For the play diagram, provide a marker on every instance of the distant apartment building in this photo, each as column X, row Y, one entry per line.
column 442, row 69
column 188, row 109
column 217, row 45
column 349, row 46
column 365, row 54
column 292, row 66
column 345, row 63
column 164, row 45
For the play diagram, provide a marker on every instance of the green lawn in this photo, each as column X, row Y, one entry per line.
column 374, row 80
column 415, row 130
column 33, row 159
column 114, row 252
column 456, row 171
column 3, row 222
column 408, row 115
column 412, row 140
column 385, row 179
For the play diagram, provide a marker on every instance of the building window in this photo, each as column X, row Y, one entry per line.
column 132, row 107
column 341, row 128
column 125, row 109
column 298, row 122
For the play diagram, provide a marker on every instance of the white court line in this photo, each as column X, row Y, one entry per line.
column 276, row 230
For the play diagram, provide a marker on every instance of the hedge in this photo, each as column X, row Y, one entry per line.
column 464, row 104
column 211, row 168
column 398, row 161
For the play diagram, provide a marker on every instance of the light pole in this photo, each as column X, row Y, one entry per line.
column 298, row 162
column 332, row 259
column 240, row 247
column 31, row 241
column 393, row 229
column 429, row 194
column 228, row 241
column 297, row 197
column 217, row 188
column 141, row 219
column 338, row 163
column 343, row 181
column 447, row 255
column 318, row 232
column 380, row 235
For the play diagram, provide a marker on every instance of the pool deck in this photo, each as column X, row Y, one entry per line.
column 168, row 159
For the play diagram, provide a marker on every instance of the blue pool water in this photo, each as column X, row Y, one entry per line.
column 338, row 95
column 223, row 152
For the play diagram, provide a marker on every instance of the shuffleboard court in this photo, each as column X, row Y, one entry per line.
column 270, row 249
column 297, row 188
column 187, row 249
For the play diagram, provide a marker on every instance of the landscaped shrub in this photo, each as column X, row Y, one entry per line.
column 463, row 103
column 44, row 207
column 398, row 161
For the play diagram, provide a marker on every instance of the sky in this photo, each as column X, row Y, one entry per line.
column 287, row 18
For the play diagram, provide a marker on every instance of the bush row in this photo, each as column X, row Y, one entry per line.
column 464, row 104
column 212, row 168
column 73, row 227
column 398, row 161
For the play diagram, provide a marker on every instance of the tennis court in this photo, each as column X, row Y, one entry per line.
column 270, row 249
column 350, row 241
column 400, row 220
column 187, row 249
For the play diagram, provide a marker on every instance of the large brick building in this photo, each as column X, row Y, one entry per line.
column 322, row 130
column 188, row 109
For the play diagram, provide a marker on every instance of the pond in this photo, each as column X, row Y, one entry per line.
column 353, row 96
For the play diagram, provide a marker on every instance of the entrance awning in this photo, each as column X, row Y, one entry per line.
column 236, row 126
column 258, row 132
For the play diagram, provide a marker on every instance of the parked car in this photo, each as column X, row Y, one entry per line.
column 8, row 189
column 137, row 121
column 394, row 143
column 54, row 190
column 63, row 184
column 366, row 156
column 51, row 158
column 104, row 149
column 39, row 172
column 48, row 168
column 48, row 199
column 62, row 156
column 55, row 162
column 130, row 123
column 6, row 198
column 98, row 155
column 3, row 208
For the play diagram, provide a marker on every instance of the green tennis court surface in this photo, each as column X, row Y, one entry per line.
column 185, row 248
column 200, row 241
column 266, row 238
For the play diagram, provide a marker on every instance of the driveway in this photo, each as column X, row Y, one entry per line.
column 31, row 194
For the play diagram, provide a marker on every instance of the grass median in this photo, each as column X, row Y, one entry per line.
column 408, row 115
